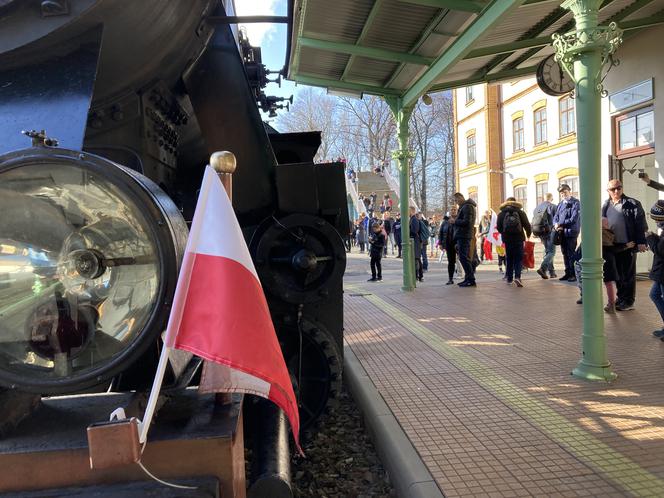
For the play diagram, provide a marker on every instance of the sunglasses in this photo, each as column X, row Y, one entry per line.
column 613, row 189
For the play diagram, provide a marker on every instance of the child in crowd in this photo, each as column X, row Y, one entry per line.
column 377, row 242
column 656, row 244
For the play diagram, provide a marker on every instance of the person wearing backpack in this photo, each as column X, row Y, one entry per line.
column 511, row 223
column 542, row 226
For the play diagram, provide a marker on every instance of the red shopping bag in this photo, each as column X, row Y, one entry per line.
column 488, row 250
column 528, row 254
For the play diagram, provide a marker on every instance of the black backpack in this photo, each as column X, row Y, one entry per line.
column 512, row 223
column 541, row 223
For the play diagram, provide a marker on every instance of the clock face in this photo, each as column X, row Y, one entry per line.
column 552, row 78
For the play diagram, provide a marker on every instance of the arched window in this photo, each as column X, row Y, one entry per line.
column 567, row 119
column 517, row 134
column 539, row 118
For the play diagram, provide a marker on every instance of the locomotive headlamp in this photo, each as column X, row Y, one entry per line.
column 89, row 253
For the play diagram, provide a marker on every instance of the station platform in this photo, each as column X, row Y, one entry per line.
column 479, row 380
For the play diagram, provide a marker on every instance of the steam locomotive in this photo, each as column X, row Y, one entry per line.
column 109, row 110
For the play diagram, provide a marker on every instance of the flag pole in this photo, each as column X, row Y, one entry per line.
column 154, row 394
column 224, row 164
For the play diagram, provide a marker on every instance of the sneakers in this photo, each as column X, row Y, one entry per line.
column 552, row 274
column 421, row 279
column 571, row 278
column 518, row 283
column 579, row 301
column 379, row 279
column 508, row 282
column 450, row 282
column 624, row 307
column 658, row 333
column 610, row 308
column 372, row 280
column 542, row 273
column 467, row 284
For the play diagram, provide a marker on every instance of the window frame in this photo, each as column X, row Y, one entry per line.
column 565, row 113
column 521, row 132
column 542, row 124
column 639, row 150
column 523, row 200
column 468, row 148
column 470, row 98
column 545, row 191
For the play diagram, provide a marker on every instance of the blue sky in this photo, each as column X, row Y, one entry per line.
column 270, row 37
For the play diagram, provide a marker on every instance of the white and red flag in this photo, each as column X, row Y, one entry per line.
column 494, row 235
column 219, row 311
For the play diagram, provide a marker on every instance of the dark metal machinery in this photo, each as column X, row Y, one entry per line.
column 133, row 97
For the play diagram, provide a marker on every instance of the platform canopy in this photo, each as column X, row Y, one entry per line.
column 404, row 48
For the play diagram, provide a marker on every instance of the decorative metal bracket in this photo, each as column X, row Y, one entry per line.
column 605, row 39
column 401, row 154
column 39, row 138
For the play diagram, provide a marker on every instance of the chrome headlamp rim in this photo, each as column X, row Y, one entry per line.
column 167, row 228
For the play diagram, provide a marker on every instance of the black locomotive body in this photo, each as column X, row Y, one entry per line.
column 137, row 95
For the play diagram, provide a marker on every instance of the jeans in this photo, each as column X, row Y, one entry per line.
column 376, row 269
column 657, row 297
column 568, row 246
column 425, row 259
column 466, row 259
column 549, row 253
column 451, row 261
column 514, row 259
column 626, row 266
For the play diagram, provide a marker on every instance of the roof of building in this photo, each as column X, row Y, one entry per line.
column 406, row 48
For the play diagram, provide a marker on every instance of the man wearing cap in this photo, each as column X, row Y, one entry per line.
column 627, row 221
column 567, row 222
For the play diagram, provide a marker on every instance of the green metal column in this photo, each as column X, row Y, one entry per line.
column 403, row 155
column 587, row 49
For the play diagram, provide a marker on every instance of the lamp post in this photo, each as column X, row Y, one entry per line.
column 402, row 115
column 583, row 53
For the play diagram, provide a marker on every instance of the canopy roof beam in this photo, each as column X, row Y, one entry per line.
column 365, row 29
column 461, row 47
column 345, row 85
column 370, row 52
column 474, row 6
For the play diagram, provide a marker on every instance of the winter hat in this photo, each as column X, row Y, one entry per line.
column 657, row 210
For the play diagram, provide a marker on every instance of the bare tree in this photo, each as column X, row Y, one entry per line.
column 313, row 110
column 363, row 132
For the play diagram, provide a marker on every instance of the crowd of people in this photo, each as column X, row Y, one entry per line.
column 625, row 234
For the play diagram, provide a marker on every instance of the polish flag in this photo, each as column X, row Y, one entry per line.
column 219, row 311
column 494, row 235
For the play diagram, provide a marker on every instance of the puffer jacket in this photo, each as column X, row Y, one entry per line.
column 510, row 207
column 464, row 225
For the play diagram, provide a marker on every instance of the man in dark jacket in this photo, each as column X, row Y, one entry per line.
column 542, row 227
column 446, row 242
column 627, row 221
column 567, row 221
column 414, row 226
column 396, row 228
column 464, row 233
column 511, row 223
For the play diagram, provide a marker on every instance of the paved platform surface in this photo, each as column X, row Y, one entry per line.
column 479, row 379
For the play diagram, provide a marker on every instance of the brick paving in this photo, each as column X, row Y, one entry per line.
column 480, row 381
